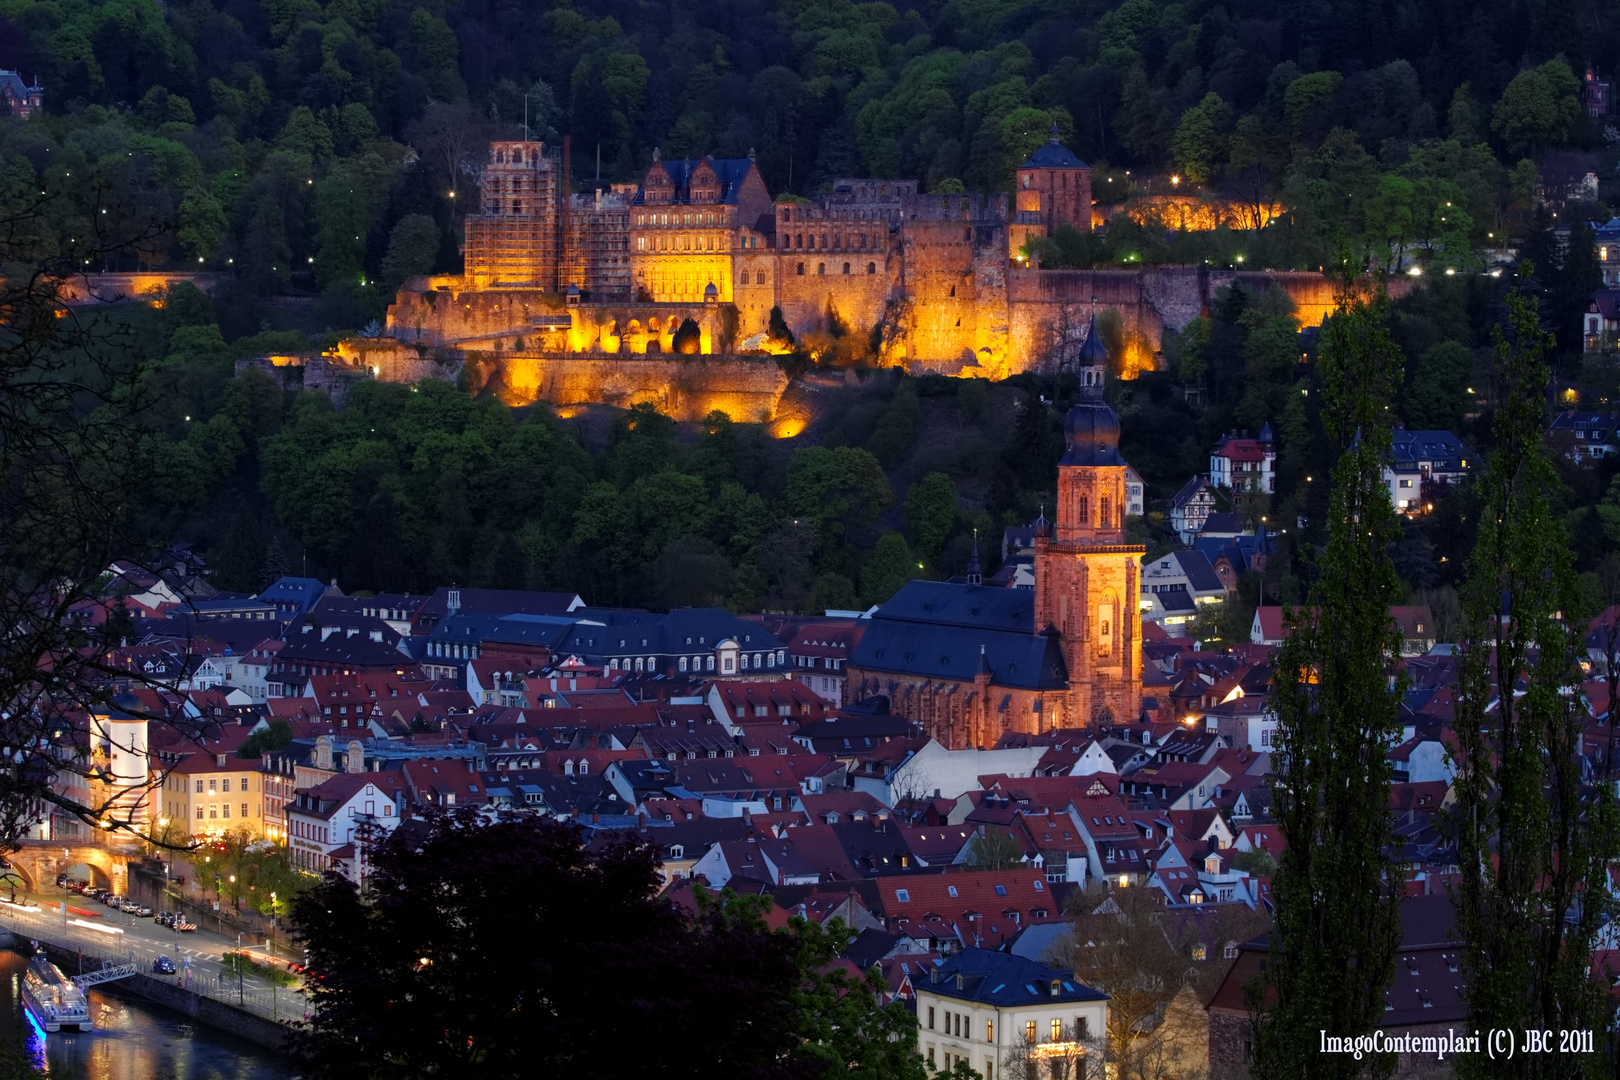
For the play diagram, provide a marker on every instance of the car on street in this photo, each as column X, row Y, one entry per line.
column 143, row 911
column 163, row 966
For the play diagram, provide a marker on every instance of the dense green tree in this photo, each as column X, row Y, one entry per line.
column 1199, row 144
column 890, row 566
column 1337, row 692
column 931, row 513
column 1436, row 395
column 1533, row 845
column 1538, row 108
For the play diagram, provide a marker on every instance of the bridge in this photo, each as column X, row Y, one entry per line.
column 109, row 971
column 37, row 862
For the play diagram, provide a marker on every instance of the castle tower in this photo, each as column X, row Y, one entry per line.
column 1053, row 188
column 1087, row 578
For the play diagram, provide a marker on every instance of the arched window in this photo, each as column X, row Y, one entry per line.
column 759, row 278
column 798, row 241
column 708, row 662
column 638, row 663
column 1084, row 510
column 871, row 268
column 801, row 269
column 846, row 268
column 683, row 663
column 1103, row 514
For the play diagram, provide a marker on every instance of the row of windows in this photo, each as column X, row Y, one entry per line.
column 681, row 219
column 836, row 215
column 452, row 651
column 222, row 810
column 958, row 1025
column 684, row 243
column 859, row 240
column 821, row 269
column 831, row 663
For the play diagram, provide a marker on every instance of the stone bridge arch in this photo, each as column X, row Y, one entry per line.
column 38, row 863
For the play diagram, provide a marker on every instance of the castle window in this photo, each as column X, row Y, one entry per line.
column 500, row 157
column 517, row 206
column 967, row 234
column 823, row 241
column 495, row 206
column 801, row 269
column 759, row 278
column 1084, row 511
column 798, row 241
column 1103, row 513
column 846, row 268
column 871, row 268
column 821, row 268
column 1105, row 629
column 641, row 243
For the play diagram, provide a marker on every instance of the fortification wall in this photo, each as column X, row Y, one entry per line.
column 746, row 389
column 446, row 312
column 143, row 285
column 858, row 298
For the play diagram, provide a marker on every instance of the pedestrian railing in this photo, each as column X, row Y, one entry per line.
column 107, row 944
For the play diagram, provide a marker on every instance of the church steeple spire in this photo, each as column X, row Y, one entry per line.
column 975, row 576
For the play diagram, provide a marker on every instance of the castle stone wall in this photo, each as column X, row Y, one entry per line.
column 746, row 389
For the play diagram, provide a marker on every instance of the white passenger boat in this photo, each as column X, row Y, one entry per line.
column 53, row 999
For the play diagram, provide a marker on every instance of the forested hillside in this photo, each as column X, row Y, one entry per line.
column 328, row 148
column 318, row 155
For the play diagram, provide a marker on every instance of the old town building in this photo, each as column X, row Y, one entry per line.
column 971, row 662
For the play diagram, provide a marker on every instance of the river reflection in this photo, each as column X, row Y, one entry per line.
column 135, row 1040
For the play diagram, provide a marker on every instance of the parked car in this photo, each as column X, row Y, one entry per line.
column 163, row 917
column 163, row 966
column 143, row 911
column 61, row 880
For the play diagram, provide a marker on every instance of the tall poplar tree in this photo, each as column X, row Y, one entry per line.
column 1336, row 693
column 1531, row 841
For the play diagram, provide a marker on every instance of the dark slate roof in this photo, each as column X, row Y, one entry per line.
column 1241, row 550
column 358, row 650
column 1175, row 598
column 1223, row 522
column 498, row 602
column 541, row 631
column 935, row 629
column 731, row 172
column 1189, row 491
column 1028, row 661
column 1444, row 449
column 938, row 603
column 1054, row 155
column 1200, row 574
column 870, row 946
column 1004, row 980
column 598, row 632
column 300, row 591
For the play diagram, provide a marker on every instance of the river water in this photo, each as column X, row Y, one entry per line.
column 135, row 1040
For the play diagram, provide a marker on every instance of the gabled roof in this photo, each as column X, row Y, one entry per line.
column 730, row 172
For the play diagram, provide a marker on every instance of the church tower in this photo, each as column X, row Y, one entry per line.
column 1087, row 578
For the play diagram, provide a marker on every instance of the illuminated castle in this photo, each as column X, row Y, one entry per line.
column 696, row 256
column 706, row 231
